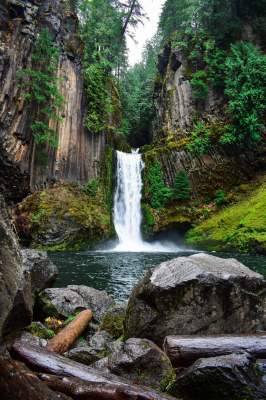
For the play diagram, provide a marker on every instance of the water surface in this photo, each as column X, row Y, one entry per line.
column 118, row 273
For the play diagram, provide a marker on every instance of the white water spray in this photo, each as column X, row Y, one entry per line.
column 127, row 206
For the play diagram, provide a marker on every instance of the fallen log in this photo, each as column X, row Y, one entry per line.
column 183, row 351
column 67, row 336
column 41, row 360
column 77, row 389
column 17, row 382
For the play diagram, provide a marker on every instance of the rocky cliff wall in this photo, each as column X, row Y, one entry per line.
column 79, row 153
column 176, row 112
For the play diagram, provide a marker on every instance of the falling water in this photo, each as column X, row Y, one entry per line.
column 127, row 205
column 127, row 202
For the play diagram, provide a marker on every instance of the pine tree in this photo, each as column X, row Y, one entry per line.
column 181, row 186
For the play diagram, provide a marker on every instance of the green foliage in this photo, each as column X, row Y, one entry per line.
column 200, row 139
column 245, row 87
column 181, row 187
column 159, row 193
column 91, row 188
column 98, row 98
column 147, row 214
column 40, row 87
column 220, row 197
column 137, row 88
column 37, row 329
column 199, row 85
column 238, row 227
column 103, row 27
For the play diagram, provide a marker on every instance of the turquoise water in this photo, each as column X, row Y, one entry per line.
column 118, row 273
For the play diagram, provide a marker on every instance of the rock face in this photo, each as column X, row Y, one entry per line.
column 66, row 301
column 42, row 271
column 232, row 377
column 15, row 285
column 141, row 362
column 175, row 111
column 200, row 294
column 79, row 153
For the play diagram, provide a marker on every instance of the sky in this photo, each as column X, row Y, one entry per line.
column 144, row 32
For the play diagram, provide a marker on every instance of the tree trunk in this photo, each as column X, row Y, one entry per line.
column 103, row 385
column 65, row 338
column 185, row 350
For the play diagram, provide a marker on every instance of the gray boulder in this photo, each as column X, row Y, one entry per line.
column 200, row 294
column 98, row 347
column 15, row 285
column 60, row 302
column 42, row 271
column 233, row 377
column 139, row 361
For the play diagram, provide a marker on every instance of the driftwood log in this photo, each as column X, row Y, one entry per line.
column 113, row 387
column 77, row 389
column 67, row 336
column 17, row 382
column 185, row 350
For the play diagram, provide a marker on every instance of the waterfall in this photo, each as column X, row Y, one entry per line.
column 127, row 201
column 127, row 206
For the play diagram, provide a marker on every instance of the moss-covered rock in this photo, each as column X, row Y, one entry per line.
column 113, row 321
column 38, row 329
column 64, row 217
column 240, row 227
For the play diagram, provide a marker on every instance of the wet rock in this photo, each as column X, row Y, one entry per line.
column 194, row 295
column 141, row 362
column 233, row 377
column 98, row 347
column 42, row 271
column 15, row 286
column 27, row 337
column 60, row 302
column 113, row 320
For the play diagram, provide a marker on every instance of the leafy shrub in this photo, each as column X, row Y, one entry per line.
column 158, row 191
column 181, row 186
column 245, row 87
column 200, row 139
column 199, row 85
column 91, row 188
column 220, row 197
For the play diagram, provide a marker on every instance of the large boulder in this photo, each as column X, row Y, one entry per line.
column 197, row 294
column 42, row 271
column 63, row 302
column 139, row 361
column 15, row 285
column 233, row 376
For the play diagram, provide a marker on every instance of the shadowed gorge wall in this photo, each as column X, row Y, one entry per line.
column 79, row 153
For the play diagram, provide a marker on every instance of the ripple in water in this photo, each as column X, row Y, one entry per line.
column 118, row 273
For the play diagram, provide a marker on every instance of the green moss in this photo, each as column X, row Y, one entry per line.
column 113, row 323
column 240, row 227
column 37, row 329
column 65, row 218
column 167, row 383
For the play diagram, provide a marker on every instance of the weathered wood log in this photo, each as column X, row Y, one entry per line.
column 67, row 336
column 78, row 389
column 41, row 360
column 185, row 350
column 17, row 382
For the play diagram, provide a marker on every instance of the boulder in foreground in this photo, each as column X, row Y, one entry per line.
column 139, row 361
column 200, row 294
column 232, row 376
